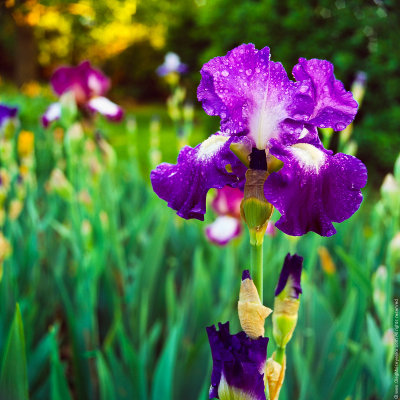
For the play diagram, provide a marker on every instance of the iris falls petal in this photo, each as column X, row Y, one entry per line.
column 314, row 188
column 184, row 185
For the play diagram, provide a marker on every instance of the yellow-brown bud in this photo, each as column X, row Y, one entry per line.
column 274, row 376
column 252, row 312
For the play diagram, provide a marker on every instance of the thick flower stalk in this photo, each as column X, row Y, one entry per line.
column 260, row 108
column 88, row 86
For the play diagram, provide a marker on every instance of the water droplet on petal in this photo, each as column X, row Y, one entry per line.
column 339, row 126
column 248, row 72
column 225, row 73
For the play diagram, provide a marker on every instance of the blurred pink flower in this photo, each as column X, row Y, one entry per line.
column 88, row 85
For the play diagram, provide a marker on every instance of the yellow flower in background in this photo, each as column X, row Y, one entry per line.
column 26, row 140
column 327, row 262
column 5, row 252
column 16, row 207
column 31, row 89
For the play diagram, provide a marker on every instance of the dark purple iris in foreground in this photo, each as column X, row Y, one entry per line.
column 260, row 107
column 7, row 114
column 88, row 85
column 238, row 364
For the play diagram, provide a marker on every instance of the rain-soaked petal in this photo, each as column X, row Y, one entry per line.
column 334, row 107
column 314, row 188
column 184, row 185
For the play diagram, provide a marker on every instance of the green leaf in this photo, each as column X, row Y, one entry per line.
column 14, row 376
column 164, row 373
column 106, row 384
column 58, row 383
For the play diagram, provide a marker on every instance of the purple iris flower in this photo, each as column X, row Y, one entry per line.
column 228, row 224
column 7, row 114
column 89, row 85
column 260, row 108
column 290, row 276
column 172, row 63
column 238, row 364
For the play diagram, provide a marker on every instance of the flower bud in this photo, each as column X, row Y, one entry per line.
column 252, row 312
column 286, row 306
column 274, row 376
column 379, row 294
column 58, row 183
column 255, row 210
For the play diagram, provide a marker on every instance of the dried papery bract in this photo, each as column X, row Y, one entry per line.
column 252, row 313
column 274, row 376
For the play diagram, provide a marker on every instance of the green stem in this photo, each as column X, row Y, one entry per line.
column 279, row 355
column 256, row 265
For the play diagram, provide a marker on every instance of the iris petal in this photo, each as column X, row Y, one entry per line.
column 185, row 185
column 334, row 107
column 314, row 188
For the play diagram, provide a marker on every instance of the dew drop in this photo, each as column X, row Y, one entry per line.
column 225, row 73
column 339, row 126
column 248, row 72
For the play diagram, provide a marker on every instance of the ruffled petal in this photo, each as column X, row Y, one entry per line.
column 52, row 113
column 334, row 107
column 250, row 93
column 223, row 230
column 184, row 185
column 238, row 363
column 314, row 188
column 106, row 107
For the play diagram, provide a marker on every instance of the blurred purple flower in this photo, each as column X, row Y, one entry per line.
column 7, row 114
column 89, row 85
column 172, row 63
column 238, row 364
column 227, row 225
column 261, row 108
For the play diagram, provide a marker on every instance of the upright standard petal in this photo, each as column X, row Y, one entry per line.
column 252, row 95
column 106, row 107
column 52, row 113
column 184, row 185
column 238, row 364
column 314, row 188
column 334, row 107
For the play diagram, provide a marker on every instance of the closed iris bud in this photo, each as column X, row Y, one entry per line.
column 286, row 306
column 252, row 312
